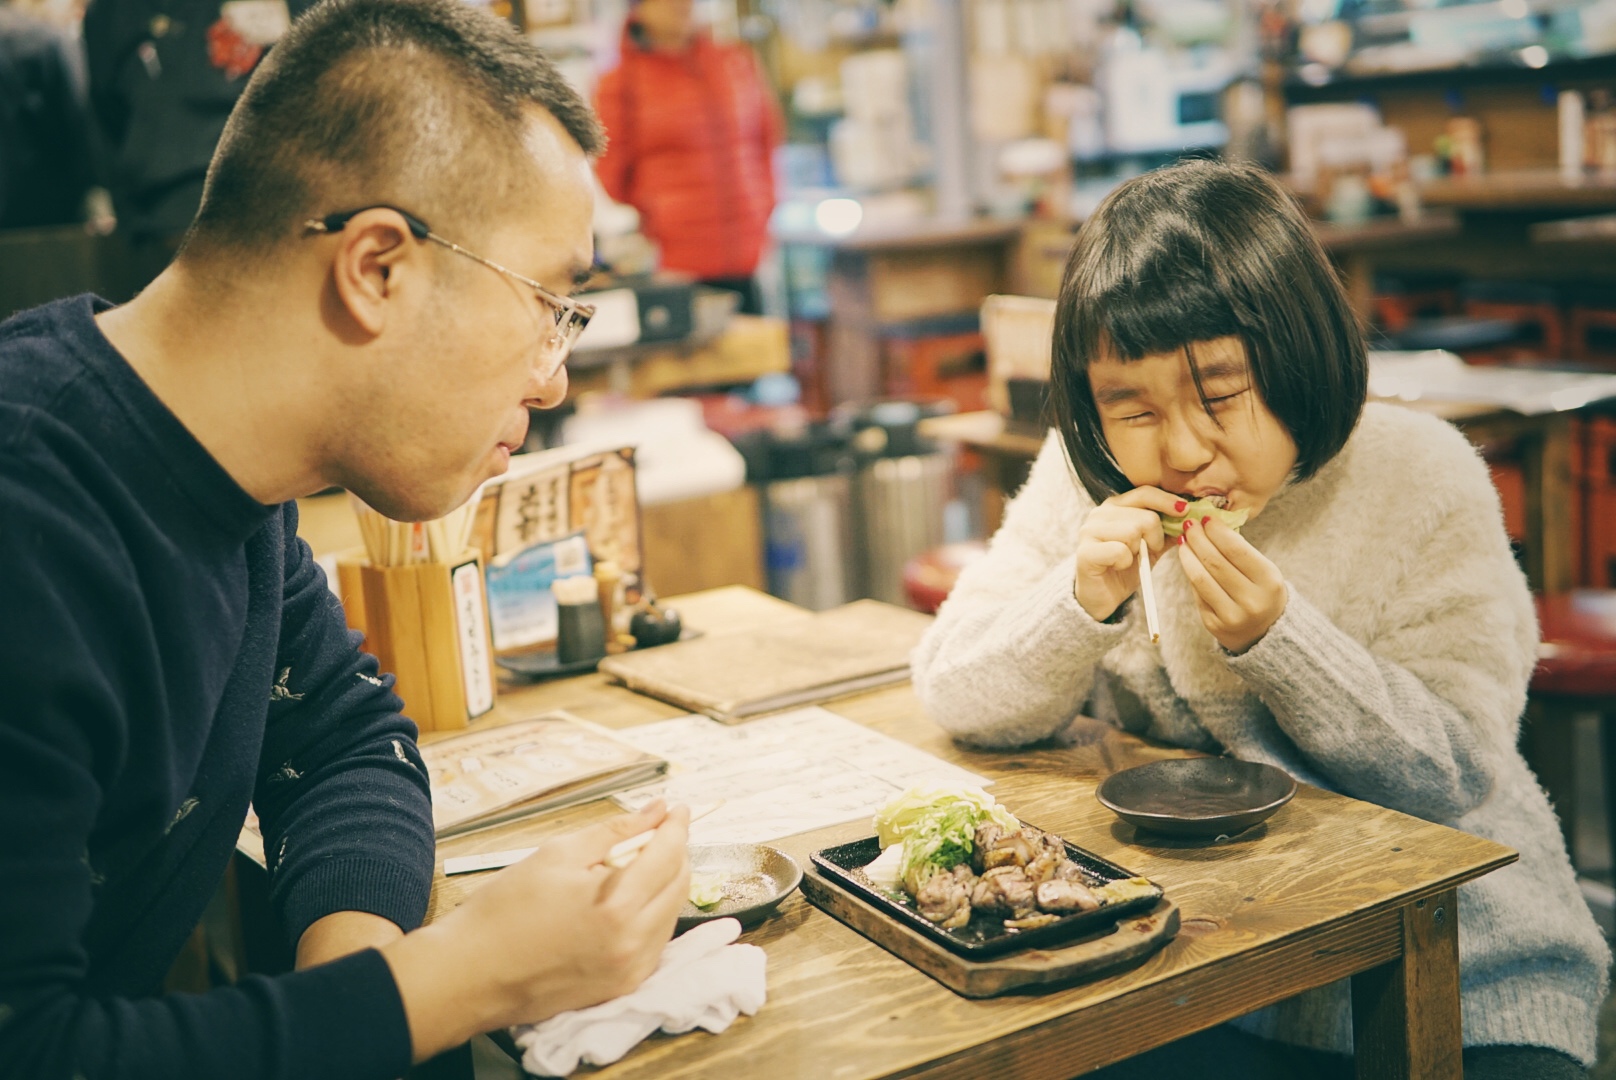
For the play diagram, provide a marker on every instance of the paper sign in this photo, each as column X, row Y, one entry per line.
column 475, row 663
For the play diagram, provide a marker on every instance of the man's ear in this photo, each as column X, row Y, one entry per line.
column 370, row 251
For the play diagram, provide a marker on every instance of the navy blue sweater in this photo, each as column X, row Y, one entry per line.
column 169, row 651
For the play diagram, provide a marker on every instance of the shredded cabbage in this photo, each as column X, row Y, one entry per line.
column 937, row 827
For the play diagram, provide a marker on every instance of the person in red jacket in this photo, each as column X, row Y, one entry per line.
column 692, row 125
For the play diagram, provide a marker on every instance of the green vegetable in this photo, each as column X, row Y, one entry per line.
column 1174, row 525
column 937, row 827
column 706, row 889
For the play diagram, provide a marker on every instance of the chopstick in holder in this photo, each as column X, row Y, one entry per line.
column 1147, row 593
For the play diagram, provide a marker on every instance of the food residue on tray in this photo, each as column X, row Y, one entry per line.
column 955, row 852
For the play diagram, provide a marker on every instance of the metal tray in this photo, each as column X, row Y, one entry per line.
column 984, row 935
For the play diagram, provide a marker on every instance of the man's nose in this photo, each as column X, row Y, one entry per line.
column 548, row 391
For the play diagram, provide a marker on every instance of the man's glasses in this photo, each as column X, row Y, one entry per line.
column 571, row 316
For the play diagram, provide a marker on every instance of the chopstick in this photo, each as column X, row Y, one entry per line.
column 1147, row 592
column 625, row 851
column 618, row 857
column 400, row 543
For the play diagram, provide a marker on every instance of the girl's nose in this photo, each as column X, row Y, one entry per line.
column 1186, row 447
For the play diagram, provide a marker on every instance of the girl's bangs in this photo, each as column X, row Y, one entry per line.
column 1134, row 319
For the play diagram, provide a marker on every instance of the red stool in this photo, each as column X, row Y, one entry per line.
column 1576, row 672
column 929, row 577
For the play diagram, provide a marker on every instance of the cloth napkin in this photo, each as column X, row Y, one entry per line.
column 704, row 980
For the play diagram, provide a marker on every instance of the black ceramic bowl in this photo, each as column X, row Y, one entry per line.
column 755, row 879
column 1215, row 796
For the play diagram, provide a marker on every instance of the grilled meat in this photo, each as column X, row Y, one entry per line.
column 945, row 898
column 1031, row 922
column 1005, row 889
column 1064, row 897
column 1049, row 852
column 988, row 834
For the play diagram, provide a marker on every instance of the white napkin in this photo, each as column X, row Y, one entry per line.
column 703, row 981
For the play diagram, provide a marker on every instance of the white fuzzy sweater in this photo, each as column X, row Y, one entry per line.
column 1397, row 674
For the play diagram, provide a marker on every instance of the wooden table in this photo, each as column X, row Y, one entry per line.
column 1329, row 888
column 1544, row 442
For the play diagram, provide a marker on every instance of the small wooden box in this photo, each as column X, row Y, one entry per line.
column 427, row 623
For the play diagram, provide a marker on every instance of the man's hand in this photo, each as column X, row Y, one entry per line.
column 557, row 931
column 1240, row 593
column 1108, row 547
column 342, row 933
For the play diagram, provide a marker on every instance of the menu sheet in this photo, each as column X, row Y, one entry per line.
column 783, row 774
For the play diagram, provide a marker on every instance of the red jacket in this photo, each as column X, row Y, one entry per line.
column 691, row 137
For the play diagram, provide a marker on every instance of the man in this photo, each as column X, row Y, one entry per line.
column 344, row 311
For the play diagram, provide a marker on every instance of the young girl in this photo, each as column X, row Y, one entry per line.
column 1367, row 630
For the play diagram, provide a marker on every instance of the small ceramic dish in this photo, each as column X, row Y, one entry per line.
column 1206, row 797
column 537, row 666
column 755, row 878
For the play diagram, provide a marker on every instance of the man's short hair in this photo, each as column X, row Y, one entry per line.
column 1192, row 253
column 419, row 103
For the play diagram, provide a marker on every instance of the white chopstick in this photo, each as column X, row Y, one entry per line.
column 621, row 854
column 625, row 851
column 493, row 860
column 1147, row 592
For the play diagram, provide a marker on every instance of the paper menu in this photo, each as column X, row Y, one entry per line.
column 783, row 774
column 489, row 775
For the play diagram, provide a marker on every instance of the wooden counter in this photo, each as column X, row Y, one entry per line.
column 1522, row 190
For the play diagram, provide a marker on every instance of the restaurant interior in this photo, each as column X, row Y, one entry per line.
column 817, row 372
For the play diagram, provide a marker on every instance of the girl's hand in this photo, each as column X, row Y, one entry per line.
column 1108, row 547
column 1240, row 593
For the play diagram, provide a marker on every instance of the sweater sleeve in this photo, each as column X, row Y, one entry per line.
column 342, row 791
column 1011, row 656
column 1416, row 717
column 75, row 653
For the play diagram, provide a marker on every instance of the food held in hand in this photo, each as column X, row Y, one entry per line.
column 706, row 890
column 957, row 853
column 1173, row 524
column 655, row 625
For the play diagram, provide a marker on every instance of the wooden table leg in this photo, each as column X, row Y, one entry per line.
column 1549, row 492
column 1405, row 1014
column 1359, row 271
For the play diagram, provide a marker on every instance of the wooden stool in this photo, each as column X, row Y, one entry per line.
column 929, row 577
column 1576, row 672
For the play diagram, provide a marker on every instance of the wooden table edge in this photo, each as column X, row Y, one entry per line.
column 1373, row 937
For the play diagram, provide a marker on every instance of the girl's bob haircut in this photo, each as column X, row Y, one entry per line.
column 1195, row 252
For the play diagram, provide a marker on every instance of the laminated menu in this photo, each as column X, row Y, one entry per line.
column 492, row 775
column 802, row 660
